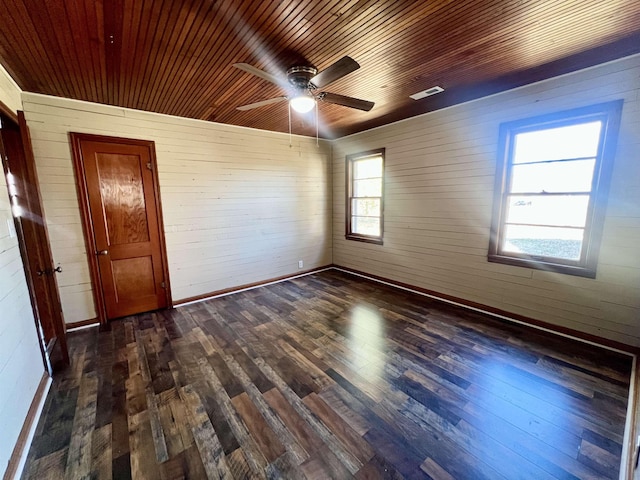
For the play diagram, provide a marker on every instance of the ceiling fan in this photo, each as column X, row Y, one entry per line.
column 301, row 83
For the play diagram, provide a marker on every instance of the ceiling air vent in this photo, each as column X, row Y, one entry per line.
column 427, row 92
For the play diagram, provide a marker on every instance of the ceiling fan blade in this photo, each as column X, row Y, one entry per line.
column 342, row 67
column 262, row 74
column 261, row 104
column 345, row 101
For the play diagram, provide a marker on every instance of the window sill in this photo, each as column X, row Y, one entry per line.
column 579, row 271
column 365, row 239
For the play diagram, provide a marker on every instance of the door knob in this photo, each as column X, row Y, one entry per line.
column 58, row 269
column 103, row 252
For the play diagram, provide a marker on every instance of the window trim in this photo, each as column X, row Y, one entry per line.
column 378, row 240
column 609, row 113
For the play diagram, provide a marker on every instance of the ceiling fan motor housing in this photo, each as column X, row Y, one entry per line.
column 299, row 77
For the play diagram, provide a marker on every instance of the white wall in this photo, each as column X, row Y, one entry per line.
column 239, row 205
column 21, row 365
column 440, row 171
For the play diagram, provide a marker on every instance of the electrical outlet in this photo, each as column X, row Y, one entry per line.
column 300, row 264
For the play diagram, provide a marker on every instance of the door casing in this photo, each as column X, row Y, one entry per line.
column 87, row 222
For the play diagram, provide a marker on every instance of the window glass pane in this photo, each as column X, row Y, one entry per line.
column 575, row 176
column 564, row 243
column 573, row 141
column 560, row 210
column 367, row 188
column 366, row 226
column 367, row 168
column 367, row 207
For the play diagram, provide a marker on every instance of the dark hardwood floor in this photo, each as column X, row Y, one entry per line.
column 330, row 376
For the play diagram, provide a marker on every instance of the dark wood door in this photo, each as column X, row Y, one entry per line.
column 33, row 238
column 124, row 215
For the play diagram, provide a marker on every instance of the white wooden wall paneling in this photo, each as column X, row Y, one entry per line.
column 239, row 205
column 439, row 176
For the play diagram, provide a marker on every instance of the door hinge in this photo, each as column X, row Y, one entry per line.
column 163, row 285
column 149, row 166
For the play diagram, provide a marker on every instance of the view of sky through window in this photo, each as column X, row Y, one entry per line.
column 550, row 185
column 367, row 196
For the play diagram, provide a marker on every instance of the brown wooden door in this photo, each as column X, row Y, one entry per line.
column 124, row 216
column 33, row 238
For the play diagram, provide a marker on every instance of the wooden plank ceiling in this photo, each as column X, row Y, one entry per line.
column 175, row 56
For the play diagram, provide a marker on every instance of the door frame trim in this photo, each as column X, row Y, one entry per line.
column 87, row 223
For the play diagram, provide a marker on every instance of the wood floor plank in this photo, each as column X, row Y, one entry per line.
column 238, row 465
column 431, row 468
column 50, row 466
column 378, row 469
column 101, row 466
column 324, row 464
column 171, row 430
column 255, row 459
column 305, row 436
column 269, row 444
column 143, row 456
column 330, row 440
column 598, row 459
column 79, row 455
column 157, row 432
column 330, row 376
column 350, row 438
column 205, row 437
column 253, row 393
column 356, row 421
column 56, row 424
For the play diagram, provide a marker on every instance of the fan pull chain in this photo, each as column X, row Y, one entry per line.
column 317, row 142
column 289, row 103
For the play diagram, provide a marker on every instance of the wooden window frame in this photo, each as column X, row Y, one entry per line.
column 350, row 159
column 609, row 113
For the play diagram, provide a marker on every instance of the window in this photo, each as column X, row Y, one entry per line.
column 551, row 189
column 365, row 178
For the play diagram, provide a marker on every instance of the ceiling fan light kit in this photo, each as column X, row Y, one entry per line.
column 303, row 103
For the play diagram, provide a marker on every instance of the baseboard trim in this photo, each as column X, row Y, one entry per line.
column 19, row 455
column 82, row 324
column 502, row 314
column 247, row 286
